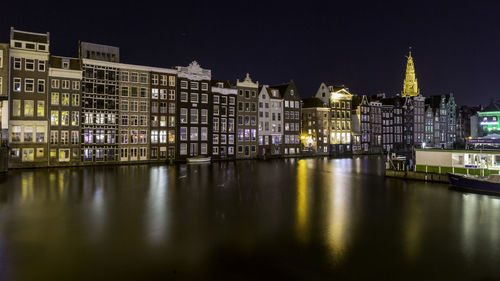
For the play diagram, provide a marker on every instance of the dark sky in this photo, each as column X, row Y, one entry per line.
column 456, row 47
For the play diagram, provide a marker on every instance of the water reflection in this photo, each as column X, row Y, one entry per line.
column 157, row 220
column 339, row 195
column 302, row 190
column 310, row 217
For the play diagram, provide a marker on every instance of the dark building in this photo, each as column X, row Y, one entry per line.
column 29, row 56
column 100, row 109
column 64, row 109
column 291, row 117
column 247, row 100
column 315, row 120
column 194, row 114
column 223, row 97
column 163, row 114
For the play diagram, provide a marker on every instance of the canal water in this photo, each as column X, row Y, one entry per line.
column 307, row 219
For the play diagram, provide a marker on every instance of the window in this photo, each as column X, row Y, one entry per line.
column 54, row 83
column 134, row 120
column 204, row 98
column 29, row 85
column 204, row 86
column 144, row 93
column 194, row 85
column 54, row 137
column 16, row 107
column 194, row 116
column 41, row 86
column 133, row 106
column 54, row 98
column 65, row 84
column 144, row 78
column 28, row 134
column 163, row 80
column 17, row 84
column 163, row 136
column 75, row 118
column 184, row 97
column 54, row 118
column 194, row 98
column 171, row 95
column 183, row 115
column 29, row 108
column 171, row 108
column 75, row 100
column 193, row 133
column 134, row 77
column 40, row 110
column 204, row 116
column 171, row 81
column 17, row 63
column 64, row 137
column 204, row 133
column 65, row 99
column 183, row 149
column 154, row 79
column 41, row 65
column 15, row 134
column 29, row 64
column 76, row 85
column 183, row 133
column 143, row 106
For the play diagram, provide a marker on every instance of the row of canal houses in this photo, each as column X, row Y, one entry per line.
column 335, row 122
column 95, row 109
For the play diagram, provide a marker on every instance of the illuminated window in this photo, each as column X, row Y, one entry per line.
column 40, row 108
column 29, row 108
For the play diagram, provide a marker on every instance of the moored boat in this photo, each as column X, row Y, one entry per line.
column 198, row 160
column 476, row 183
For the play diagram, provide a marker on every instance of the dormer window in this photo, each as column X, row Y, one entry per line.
column 18, row 44
column 66, row 64
column 30, row 46
column 220, row 85
column 41, row 47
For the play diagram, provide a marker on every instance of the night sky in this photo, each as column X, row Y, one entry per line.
column 456, row 47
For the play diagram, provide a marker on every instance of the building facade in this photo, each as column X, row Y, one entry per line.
column 315, row 120
column 270, row 120
column 223, row 97
column 28, row 126
column 291, row 118
column 4, row 93
column 134, row 113
column 195, row 111
column 340, row 121
column 64, row 110
column 247, row 118
column 163, row 114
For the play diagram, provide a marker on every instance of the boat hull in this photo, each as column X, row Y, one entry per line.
column 473, row 184
column 197, row 160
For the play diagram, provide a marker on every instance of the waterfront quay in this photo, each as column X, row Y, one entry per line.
column 287, row 219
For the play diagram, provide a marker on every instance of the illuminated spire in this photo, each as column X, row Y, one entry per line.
column 410, row 85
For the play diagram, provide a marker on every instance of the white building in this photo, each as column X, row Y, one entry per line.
column 270, row 120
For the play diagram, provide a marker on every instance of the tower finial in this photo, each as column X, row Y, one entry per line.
column 410, row 50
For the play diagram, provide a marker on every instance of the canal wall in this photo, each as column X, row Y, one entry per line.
column 410, row 175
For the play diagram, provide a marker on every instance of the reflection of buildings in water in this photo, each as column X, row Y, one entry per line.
column 337, row 227
column 301, row 223
column 27, row 184
column 156, row 204
column 412, row 228
column 484, row 211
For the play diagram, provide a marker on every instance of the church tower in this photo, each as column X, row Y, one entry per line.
column 410, row 86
